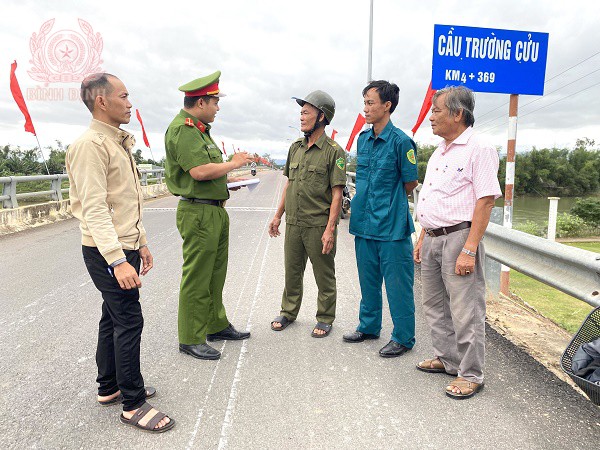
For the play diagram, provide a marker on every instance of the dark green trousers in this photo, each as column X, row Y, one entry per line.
column 302, row 243
column 205, row 233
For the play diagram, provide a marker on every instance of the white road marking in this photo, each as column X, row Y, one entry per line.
column 231, row 403
column 233, row 393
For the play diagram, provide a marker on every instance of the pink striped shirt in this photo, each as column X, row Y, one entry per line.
column 457, row 175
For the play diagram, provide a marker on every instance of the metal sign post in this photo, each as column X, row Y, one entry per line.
column 509, row 181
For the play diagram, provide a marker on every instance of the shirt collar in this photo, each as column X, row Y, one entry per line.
column 196, row 121
column 125, row 139
column 385, row 133
column 319, row 142
column 463, row 139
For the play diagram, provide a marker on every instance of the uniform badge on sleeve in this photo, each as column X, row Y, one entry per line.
column 340, row 163
column 410, row 155
column 189, row 122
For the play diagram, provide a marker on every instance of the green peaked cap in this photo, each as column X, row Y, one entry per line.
column 208, row 85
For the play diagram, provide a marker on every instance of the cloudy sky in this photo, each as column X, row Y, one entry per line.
column 272, row 50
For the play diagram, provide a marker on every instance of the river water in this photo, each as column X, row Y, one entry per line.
column 536, row 208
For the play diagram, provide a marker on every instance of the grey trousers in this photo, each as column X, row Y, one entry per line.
column 454, row 305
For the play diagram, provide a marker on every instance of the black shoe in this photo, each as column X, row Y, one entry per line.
column 357, row 336
column 228, row 334
column 393, row 349
column 200, row 351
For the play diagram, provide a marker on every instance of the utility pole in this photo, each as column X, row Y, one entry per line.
column 370, row 59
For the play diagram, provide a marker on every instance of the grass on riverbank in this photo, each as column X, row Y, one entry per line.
column 564, row 310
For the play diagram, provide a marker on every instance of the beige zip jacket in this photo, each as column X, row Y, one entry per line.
column 105, row 190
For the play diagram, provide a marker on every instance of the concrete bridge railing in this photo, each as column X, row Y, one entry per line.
column 10, row 198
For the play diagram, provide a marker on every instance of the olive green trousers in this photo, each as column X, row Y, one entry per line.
column 301, row 244
column 205, row 233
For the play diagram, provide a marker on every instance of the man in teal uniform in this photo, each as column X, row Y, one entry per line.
column 195, row 171
column 386, row 173
column 311, row 200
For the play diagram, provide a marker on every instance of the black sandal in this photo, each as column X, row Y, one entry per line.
column 142, row 412
column 150, row 392
column 284, row 321
column 326, row 327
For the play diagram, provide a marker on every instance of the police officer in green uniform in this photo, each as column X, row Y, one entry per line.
column 195, row 172
column 311, row 200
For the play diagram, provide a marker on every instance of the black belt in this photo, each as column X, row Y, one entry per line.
column 220, row 203
column 447, row 230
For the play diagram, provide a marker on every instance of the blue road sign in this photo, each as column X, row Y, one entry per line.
column 489, row 60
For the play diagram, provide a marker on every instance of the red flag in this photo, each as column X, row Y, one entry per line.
column 360, row 122
column 139, row 118
column 18, row 96
column 425, row 108
column 223, row 143
column 333, row 133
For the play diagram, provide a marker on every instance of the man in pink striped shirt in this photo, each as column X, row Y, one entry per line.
column 458, row 194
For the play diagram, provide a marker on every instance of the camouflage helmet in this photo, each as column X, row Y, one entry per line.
column 320, row 100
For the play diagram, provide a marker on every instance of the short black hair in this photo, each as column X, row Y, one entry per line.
column 388, row 92
column 93, row 86
column 189, row 102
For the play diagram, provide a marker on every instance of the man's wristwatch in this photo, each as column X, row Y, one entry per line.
column 469, row 252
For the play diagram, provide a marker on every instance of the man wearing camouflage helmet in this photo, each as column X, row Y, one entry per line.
column 311, row 200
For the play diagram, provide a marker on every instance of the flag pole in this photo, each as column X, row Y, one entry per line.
column 152, row 154
column 42, row 153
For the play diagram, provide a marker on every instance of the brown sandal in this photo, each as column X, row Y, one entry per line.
column 432, row 366
column 150, row 426
column 467, row 388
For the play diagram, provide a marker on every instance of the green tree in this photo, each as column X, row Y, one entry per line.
column 588, row 209
column 138, row 157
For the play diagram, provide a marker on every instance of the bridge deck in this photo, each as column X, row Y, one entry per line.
column 276, row 389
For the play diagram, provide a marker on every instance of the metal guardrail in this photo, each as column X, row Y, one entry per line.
column 571, row 270
column 10, row 197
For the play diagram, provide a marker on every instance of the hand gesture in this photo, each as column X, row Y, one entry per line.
column 241, row 159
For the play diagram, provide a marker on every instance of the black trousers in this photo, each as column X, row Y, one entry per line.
column 120, row 331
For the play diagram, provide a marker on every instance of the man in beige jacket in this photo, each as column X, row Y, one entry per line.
column 106, row 197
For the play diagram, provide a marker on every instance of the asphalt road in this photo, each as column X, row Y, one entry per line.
column 282, row 389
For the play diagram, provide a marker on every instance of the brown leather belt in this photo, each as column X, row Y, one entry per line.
column 435, row 232
column 220, row 203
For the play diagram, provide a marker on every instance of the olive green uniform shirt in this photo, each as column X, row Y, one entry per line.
column 188, row 147
column 312, row 172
